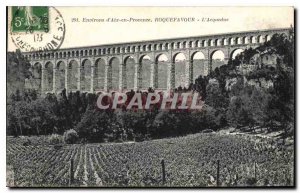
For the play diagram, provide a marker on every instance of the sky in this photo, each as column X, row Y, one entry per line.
column 97, row 33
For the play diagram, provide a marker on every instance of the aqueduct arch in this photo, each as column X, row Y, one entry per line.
column 217, row 58
column 139, row 65
column 85, row 75
column 146, row 67
column 235, row 52
column 198, row 64
column 129, row 72
column 60, row 76
column 162, row 63
column 180, row 69
column 113, row 73
column 48, row 77
column 73, row 75
column 36, row 71
column 99, row 74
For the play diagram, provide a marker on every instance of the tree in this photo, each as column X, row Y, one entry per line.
column 17, row 70
column 215, row 97
column 95, row 125
column 43, row 118
column 200, row 86
column 165, row 124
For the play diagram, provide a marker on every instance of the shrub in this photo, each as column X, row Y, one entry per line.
column 70, row 136
column 207, row 131
column 55, row 139
column 27, row 142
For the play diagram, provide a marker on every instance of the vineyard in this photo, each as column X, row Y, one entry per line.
column 189, row 161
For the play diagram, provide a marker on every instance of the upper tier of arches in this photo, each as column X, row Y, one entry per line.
column 160, row 45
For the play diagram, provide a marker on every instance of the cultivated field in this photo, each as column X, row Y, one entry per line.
column 189, row 161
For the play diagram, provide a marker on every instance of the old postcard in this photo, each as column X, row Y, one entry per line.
column 150, row 97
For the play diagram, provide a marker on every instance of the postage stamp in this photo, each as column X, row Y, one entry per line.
column 36, row 29
column 29, row 19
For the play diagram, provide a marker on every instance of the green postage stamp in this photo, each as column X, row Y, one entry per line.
column 29, row 19
column 36, row 28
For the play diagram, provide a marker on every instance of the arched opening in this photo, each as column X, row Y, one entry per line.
column 179, row 60
column 113, row 73
column 73, row 75
column 48, row 81
column 268, row 37
column 37, row 75
column 225, row 42
column 191, row 44
column 60, row 75
column 99, row 76
column 167, row 46
column 160, row 46
column 145, row 74
column 260, row 39
column 253, row 40
column 217, row 59
column 235, row 52
column 219, row 42
column 173, row 46
column 149, row 48
column 231, row 41
column 245, row 40
column 129, row 73
column 85, row 75
column 155, row 47
column 198, row 59
column 162, row 71
column 180, row 45
column 127, row 49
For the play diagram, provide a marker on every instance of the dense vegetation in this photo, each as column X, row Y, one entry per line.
column 242, row 105
column 189, row 161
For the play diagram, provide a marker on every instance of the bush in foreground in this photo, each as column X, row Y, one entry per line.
column 55, row 139
column 70, row 136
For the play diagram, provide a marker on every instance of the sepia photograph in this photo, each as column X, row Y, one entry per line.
column 150, row 97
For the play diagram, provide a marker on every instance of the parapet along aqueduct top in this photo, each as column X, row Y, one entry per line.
column 161, row 64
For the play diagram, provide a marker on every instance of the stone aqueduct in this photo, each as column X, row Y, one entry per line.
column 137, row 65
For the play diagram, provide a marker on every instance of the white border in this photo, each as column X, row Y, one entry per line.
column 3, row 188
